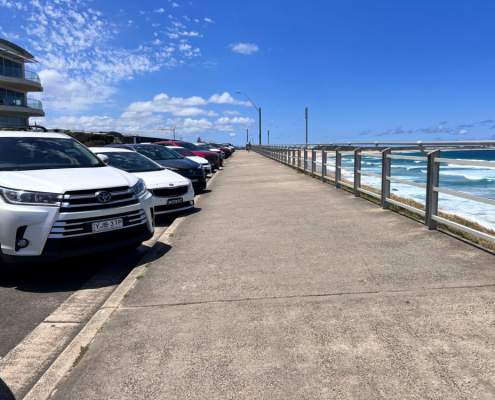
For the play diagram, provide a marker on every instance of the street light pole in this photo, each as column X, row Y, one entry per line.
column 259, row 114
column 247, row 135
column 306, row 119
column 268, row 136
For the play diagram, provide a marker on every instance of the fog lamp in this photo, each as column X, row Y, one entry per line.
column 22, row 243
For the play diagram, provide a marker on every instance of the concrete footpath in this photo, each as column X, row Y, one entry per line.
column 283, row 287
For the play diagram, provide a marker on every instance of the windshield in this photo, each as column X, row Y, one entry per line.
column 183, row 151
column 157, row 153
column 31, row 153
column 131, row 162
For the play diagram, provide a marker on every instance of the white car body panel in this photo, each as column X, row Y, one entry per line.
column 67, row 179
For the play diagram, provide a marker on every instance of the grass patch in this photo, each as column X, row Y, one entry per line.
column 82, row 352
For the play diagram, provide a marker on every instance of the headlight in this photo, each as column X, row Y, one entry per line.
column 13, row 196
column 139, row 188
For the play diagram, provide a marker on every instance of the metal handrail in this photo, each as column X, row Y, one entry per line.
column 27, row 74
column 293, row 155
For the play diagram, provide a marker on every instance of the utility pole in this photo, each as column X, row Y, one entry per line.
column 268, row 136
column 169, row 130
column 259, row 120
column 306, row 120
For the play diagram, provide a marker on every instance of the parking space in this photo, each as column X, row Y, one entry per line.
column 31, row 292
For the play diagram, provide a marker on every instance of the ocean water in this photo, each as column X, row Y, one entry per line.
column 479, row 181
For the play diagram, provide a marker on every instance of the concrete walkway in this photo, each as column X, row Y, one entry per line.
column 284, row 288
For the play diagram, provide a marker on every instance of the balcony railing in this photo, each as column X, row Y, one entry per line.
column 11, row 72
column 34, row 103
column 31, row 76
column 29, row 102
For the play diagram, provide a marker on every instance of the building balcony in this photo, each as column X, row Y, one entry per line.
column 16, row 79
column 29, row 108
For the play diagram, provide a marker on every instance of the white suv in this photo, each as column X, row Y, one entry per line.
column 58, row 199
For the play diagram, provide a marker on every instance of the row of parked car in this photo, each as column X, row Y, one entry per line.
column 60, row 198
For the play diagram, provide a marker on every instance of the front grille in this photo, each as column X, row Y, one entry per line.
column 84, row 226
column 91, row 243
column 86, row 200
column 170, row 191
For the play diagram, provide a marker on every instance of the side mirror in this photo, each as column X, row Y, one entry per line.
column 103, row 158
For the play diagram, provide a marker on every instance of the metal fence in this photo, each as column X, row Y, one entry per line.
column 305, row 159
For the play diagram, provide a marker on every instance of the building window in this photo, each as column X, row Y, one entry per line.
column 12, row 98
column 13, row 122
column 10, row 68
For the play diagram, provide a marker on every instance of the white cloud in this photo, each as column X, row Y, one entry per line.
column 235, row 121
column 226, row 98
column 65, row 93
column 231, row 112
column 244, row 48
column 189, row 114
column 208, row 20
column 12, row 4
column 78, row 62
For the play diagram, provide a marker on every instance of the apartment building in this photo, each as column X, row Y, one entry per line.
column 17, row 79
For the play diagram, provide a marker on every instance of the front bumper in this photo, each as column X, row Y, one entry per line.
column 162, row 205
column 50, row 232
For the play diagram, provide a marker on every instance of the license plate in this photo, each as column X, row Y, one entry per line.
column 175, row 201
column 108, row 225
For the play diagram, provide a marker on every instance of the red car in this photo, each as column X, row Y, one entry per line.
column 212, row 157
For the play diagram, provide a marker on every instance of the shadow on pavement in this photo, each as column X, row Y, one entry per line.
column 5, row 393
column 71, row 274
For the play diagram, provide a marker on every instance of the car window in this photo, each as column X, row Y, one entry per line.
column 156, row 152
column 131, row 162
column 28, row 153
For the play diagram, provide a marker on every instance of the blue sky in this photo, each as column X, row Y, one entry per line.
column 368, row 70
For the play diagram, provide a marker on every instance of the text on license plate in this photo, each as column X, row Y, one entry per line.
column 175, row 201
column 108, row 225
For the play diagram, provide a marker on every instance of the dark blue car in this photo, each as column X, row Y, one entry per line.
column 171, row 160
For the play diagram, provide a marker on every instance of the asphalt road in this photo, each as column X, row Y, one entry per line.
column 29, row 293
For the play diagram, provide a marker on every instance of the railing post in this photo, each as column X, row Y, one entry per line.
column 338, row 165
column 299, row 158
column 305, row 159
column 386, row 171
column 323, row 165
column 357, row 172
column 313, row 162
column 432, row 182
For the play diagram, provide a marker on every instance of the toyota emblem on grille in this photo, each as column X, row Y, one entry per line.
column 103, row 197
